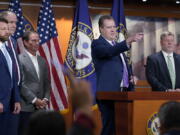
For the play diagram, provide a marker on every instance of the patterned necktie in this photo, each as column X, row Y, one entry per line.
column 8, row 58
column 171, row 71
column 125, row 74
column 113, row 43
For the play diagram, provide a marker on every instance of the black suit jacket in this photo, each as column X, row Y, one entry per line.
column 172, row 132
column 108, row 64
column 157, row 72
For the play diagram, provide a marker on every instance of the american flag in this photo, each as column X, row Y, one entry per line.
column 50, row 50
column 15, row 7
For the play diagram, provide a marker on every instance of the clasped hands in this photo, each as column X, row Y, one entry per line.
column 173, row 90
column 41, row 103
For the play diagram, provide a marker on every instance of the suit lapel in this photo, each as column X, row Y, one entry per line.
column 40, row 67
column 105, row 41
column 124, row 56
column 4, row 60
column 176, row 67
column 30, row 65
column 163, row 65
column 125, row 59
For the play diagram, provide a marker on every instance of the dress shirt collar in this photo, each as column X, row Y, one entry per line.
column 109, row 41
column 167, row 54
column 30, row 55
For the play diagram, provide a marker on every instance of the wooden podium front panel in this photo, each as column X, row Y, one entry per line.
column 123, row 118
column 142, row 111
column 132, row 109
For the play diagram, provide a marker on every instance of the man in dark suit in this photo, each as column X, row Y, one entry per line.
column 9, row 92
column 35, row 89
column 12, row 45
column 162, row 68
column 112, row 70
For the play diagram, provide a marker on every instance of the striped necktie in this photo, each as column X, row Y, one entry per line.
column 125, row 73
column 171, row 71
column 113, row 43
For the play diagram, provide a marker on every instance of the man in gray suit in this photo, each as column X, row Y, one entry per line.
column 35, row 89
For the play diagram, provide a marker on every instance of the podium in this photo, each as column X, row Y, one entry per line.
column 133, row 109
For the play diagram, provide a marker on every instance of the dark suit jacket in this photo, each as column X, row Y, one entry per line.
column 172, row 132
column 9, row 91
column 108, row 64
column 157, row 72
column 32, row 86
column 12, row 43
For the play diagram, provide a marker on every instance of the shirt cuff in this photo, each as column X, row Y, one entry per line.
column 34, row 100
column 46, row 99
column 128, row 45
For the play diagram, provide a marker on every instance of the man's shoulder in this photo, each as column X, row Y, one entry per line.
column 21, row 54
column 99, row 40
column 155, row 55
column 176, row 55
column 13, row 40
column 96, row 40
column 42, row 59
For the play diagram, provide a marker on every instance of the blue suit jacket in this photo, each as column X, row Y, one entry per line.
column 108, row 64
column 9, row 92
column 14, row 47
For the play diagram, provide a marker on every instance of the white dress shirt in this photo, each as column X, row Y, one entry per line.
column 165, row 54
column 36, row 65
column 34, row 61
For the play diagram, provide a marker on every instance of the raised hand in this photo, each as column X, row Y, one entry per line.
column 135, row 38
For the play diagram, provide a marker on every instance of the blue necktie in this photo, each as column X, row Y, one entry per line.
column 171, row 71
column 8, row 58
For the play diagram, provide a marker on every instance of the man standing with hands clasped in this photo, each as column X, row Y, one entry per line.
column 35, row 89
column 112, row 70
column 162, row 68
